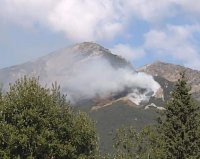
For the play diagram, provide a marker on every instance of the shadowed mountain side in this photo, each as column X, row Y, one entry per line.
column 117, row 115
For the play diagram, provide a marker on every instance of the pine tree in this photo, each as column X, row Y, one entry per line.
column 180, row 125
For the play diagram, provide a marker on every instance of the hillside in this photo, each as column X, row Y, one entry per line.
column 86, row 71
column 105, row 85
column 171, row 72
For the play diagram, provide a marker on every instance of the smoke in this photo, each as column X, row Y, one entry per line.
column 94, row 76
column 87, row 71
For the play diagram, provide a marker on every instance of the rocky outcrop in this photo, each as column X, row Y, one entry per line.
column 171, row 73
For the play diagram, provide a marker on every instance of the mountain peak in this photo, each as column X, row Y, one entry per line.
column 161, row 63
column 67, row 62
column 89, row 48
column 87, row 45
column 160, row 66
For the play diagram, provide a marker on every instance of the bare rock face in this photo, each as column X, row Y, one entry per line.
column 171, row 73
column 160, row 94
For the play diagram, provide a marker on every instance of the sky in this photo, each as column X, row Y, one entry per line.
column 142, row 31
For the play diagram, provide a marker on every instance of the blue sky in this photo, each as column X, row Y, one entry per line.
column 142, row 31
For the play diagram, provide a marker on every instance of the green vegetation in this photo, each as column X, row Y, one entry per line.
column 1, row 87
column 177, row 136
column 38, row 123
column 119, row 115
column 180, row 127
column 131, row 144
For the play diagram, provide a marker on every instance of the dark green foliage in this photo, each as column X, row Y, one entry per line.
column 1, row 87
column 132, row 144
column 119, row 115
column 180, row 126
column 38, row 123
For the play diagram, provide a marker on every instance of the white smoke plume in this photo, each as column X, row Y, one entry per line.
column 93, row 76
column 86, row 71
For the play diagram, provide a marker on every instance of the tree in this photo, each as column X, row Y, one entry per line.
column 37, row 122
column 1, row 87
column 180, row 127
column 131, row 143
column 177, row 136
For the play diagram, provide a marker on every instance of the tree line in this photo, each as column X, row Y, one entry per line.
column 37, row 122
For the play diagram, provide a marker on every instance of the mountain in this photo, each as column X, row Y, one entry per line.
column 171, row 72
column 87, row 72
column 61, row 63
column 98, row 82
column 105, row 85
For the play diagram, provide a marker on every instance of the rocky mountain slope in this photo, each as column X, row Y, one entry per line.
column 87, row 71
column 171, row 72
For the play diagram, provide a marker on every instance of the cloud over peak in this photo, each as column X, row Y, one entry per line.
column 176, row 42
column 172, row 25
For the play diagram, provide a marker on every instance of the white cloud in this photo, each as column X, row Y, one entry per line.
column 175, row 41
column 102, row 20
column 79, row 20
column 152, row 10
column 26, row 13
column 128, row 52
column 86, row 20
column 156, row 11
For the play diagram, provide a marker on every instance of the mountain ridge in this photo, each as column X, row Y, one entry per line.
column 84, row 71
column 66, row 61
column 171, row 72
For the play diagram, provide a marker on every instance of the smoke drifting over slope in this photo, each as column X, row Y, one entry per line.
column 97, row 77
column 88, row 70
